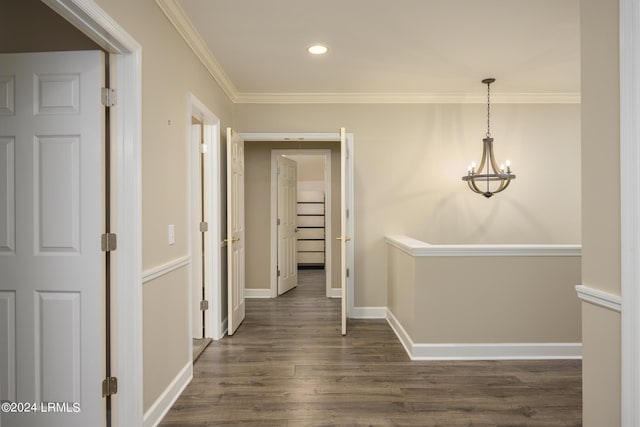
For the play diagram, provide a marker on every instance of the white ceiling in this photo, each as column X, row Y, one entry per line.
column 387, row 47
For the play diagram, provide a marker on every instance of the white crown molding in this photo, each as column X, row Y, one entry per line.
column 176, row 15
column 404, row 98
column 418, row 248
column 599, row 298
column 183, row 24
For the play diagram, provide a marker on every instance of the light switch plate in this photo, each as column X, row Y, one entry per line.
column 171, row 234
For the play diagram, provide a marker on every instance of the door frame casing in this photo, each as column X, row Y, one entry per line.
column 326, row 153
column 126, row 58
column 629, row 22
column 315, row 137
column 211, row 136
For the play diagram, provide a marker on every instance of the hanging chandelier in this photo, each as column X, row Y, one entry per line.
column 495, row 179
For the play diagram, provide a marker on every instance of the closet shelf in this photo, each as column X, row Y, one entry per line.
column 311, row 230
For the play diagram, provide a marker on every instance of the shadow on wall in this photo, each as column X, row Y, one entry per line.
column 458, row 208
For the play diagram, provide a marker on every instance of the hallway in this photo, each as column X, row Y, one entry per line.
column 288, row 365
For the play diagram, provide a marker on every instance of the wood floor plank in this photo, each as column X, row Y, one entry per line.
column 288, row 365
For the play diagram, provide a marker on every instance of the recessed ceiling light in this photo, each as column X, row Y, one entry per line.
column 317, row 49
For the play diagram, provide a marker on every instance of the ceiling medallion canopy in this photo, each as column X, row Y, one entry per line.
column 496, row 178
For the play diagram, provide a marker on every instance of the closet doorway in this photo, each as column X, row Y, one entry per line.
column 261, row 274
column 314, row 211
column 261, row 212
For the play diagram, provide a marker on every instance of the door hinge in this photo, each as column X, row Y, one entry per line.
column 109, row 97
column 204, row 305
column 204, row 226
column 109, row 242
column 203, row 148
column 109, row 386
column 347, row 213
column 347, row 272
column 278, row 272
column 278, row 221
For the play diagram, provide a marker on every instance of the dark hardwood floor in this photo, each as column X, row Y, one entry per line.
column 288, row 365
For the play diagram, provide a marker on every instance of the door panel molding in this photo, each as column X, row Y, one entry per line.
column 236, row 235
column 57, row 271
column 7, row 343
column 286, row 223
column 126, row 61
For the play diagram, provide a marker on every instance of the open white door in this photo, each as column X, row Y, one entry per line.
column 199, row 247
column 52, row 315
column 344, row 224
column 287, row 194
column 235, row 230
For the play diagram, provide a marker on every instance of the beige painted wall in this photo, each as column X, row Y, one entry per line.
column 170, row 70
column 601, row 389
column 409, row 160
column 499, row 299
column 310, row 168
column 258, row 209
column 600, row 208
column 401, row 288
column 162, row 325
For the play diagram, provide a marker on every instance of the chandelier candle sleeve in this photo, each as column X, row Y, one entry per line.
column 495, row 179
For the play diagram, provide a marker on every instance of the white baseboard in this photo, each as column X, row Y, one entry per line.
column 225, row 327
column 161, row 406
column 483, row 351
column 257, row 293
column 402, row 335
column 368, row 313
column 335, row 293
column 500, row 351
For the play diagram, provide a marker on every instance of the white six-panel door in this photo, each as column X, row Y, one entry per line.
column 198, row 243
column 287, row 195
column 235, row 230
column 345, row 233
column 51, row 219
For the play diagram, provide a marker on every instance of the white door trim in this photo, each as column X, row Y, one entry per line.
column 211, row 137
column 303, row 137
column 274, row 213
column 126, row 55
column 630, row 208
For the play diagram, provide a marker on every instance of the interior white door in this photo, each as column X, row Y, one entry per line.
column 344, row 225
column 235, row 230
column 287, row 196
column 52, row 318
column 198, row 243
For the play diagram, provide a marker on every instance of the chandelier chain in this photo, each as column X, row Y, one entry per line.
column 488, row 110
